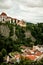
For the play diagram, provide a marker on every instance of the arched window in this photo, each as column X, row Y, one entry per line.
column 3, row 19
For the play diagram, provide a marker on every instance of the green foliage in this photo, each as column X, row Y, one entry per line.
column 4, row 52
column 1, row 57
column 36, row 31
column 11, row 27
column 20, row 32
column 11, row 30
column 8, row 45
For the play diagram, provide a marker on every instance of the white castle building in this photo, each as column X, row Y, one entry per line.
column 4, row 18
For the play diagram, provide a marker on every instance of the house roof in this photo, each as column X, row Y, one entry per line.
column 38, row 53
column 31, row 57
column 9, row 17
column 4, row 14
column 17, row 56
column 24, row 47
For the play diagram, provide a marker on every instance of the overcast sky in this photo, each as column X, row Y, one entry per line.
column 29, row 10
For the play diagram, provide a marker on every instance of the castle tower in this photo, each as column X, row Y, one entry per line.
column 3, row 17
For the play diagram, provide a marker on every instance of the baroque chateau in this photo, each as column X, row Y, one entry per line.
column 4, row 18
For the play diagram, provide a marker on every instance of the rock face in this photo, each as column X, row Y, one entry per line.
column 4, row 30
column 29, row 35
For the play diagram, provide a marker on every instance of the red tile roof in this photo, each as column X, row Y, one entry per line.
column 31, row 57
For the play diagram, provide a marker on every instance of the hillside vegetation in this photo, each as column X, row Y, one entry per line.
column 13, row 36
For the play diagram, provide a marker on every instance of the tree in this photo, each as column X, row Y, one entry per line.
column 20, row 33
column 4, row 52
column 1, row 57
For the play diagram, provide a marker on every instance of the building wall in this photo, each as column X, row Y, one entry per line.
column 8, row 20
column 3, row 19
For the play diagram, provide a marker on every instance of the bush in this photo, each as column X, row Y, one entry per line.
column 4, row 52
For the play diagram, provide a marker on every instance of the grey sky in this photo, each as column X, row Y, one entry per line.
column 29, row 10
